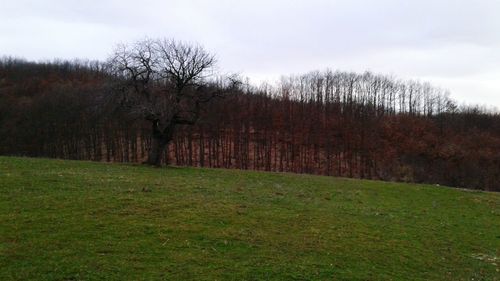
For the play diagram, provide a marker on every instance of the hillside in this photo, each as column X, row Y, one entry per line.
column 315, row 123
column 69, row 220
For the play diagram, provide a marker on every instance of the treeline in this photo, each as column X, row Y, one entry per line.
column 329, row 123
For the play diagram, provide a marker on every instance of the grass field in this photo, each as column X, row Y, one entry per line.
column 69, row 220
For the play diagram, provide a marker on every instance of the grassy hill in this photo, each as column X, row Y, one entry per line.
column 69, row 220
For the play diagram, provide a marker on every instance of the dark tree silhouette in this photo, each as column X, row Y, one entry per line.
column 164, row 82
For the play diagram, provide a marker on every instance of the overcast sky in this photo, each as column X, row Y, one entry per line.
column 455, row 44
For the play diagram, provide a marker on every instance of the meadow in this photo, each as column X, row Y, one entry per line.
column 74, row 220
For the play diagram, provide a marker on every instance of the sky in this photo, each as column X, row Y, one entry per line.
column 454, row 44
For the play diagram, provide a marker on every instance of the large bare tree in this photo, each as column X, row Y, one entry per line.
column 164, row 82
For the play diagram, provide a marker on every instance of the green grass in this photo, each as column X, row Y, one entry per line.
column 69, row 220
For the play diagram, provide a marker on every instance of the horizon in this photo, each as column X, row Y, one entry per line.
column 448, row 44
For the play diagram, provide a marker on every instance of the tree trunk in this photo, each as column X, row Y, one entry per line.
column 158, row 145
column 159, row 142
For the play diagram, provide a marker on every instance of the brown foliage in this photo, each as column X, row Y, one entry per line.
column 338, row 124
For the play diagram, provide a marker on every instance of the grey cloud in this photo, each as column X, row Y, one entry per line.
column 445, row 41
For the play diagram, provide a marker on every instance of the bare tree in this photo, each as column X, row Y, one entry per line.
column 163, row 82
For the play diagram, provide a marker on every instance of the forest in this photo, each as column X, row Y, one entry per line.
column 343, row 124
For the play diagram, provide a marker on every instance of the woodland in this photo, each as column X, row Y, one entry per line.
column 334, row 123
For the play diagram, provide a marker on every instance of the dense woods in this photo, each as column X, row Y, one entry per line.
column 329, row 123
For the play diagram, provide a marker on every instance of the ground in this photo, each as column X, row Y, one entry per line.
column 70, row 220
